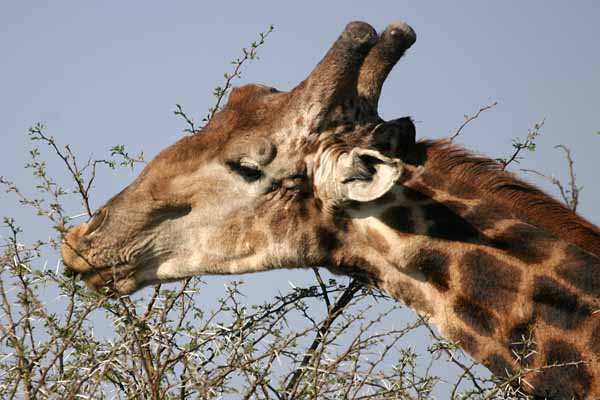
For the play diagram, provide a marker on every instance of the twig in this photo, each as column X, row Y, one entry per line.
column 573, row 192
column 529, row 145
column 517, row 377
column 469, row 119
column 323, row 288
column 248, row 54
column 570, row 195
column 334, row 312
column 453, row 359
column 188, row 120
column 219, row 92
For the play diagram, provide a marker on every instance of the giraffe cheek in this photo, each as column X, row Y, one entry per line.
column 254, row 241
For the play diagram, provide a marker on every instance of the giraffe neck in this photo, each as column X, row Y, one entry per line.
column 513, row 295
column 458, row 173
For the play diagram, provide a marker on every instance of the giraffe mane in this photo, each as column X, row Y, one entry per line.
column 487, row 177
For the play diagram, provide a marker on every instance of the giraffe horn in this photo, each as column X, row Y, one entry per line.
column 335, row 77
column 394, row 41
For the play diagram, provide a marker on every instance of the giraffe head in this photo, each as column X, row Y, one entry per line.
column 265, row 184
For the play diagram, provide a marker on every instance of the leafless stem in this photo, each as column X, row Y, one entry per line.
column 470, row 118
column 570, row 193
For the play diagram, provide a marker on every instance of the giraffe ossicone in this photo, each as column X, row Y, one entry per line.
column 314, row 177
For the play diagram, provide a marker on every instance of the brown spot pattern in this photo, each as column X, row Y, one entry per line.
column 424, row 192
column 486, row 216
column 525, row 242
column 327, row 239
column 464, row 339
column 434, row 265
column 581, row 270
column 415, row 195
column 499, row 365
column 489, row 281
column 475, row 316
column 562, row 381
column 522, row 343
column 358, row 268
column 556, row 305
column 456, row 207
column 400, row 219
column 447, row 225
column 387, row 198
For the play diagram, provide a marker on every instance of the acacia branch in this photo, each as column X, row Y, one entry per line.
column 333, row 313
column 469, row 119
column 528, row 144
column 570, row 193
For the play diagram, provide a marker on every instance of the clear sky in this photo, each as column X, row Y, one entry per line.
column 105, row 73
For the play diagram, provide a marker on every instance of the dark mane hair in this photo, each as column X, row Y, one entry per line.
column 526, row 201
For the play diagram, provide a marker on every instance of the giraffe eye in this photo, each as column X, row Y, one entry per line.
column 247, row 170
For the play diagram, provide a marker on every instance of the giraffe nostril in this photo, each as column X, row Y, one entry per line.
column 95, row 222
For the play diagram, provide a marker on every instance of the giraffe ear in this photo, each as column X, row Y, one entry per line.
column 365, row 174
column 394, row 137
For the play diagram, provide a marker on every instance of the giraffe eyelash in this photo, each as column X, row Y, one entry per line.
column 248, row 171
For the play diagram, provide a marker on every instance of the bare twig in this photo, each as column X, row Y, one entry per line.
column 570, row 193
column 323, row 288
column 470, row 118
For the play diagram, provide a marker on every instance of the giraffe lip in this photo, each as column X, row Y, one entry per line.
column 107, row 276
column 100, row 270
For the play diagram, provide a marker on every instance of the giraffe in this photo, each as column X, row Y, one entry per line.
column 314, row 177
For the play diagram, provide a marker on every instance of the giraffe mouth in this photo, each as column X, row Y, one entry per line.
column 114, row 280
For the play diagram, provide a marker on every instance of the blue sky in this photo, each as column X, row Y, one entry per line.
column 104, row 73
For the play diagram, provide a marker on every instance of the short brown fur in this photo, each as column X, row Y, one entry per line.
column 487, row 176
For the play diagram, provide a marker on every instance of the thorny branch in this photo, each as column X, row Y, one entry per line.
column 220, row 92
column 251, row 54
column 570, row 193
column 332, row 314
column 519, row 145
column 447, row 347
column 471, row 118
